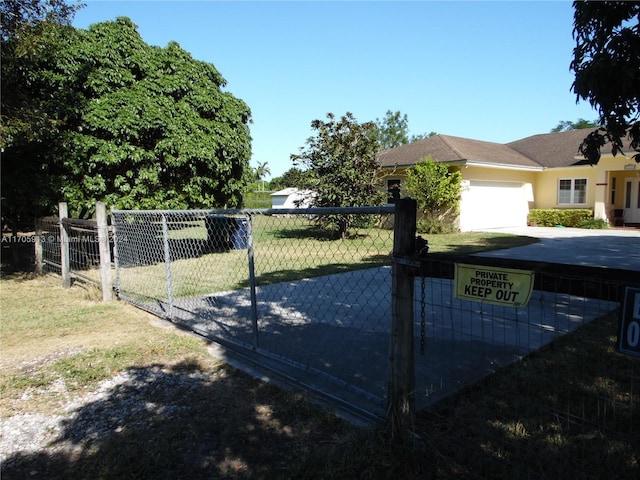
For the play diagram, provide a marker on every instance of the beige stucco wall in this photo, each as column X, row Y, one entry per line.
column 598, row 184
column 545, row 190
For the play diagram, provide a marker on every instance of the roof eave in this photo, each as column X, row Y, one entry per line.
column 505, row 166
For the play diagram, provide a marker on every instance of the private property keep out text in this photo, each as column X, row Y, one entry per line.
column 491, row 279
column 484, row 284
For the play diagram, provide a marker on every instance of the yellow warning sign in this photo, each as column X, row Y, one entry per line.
column 498, row 286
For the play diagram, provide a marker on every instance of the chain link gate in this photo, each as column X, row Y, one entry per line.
column 275, row 284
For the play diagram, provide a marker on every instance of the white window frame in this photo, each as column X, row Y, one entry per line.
column 614, row 189
column 573, row 191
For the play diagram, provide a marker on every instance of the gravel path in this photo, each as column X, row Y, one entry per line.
column 31, row 432
column 87, row 417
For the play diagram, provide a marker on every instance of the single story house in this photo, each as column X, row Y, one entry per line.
column 290, row 198
column 502, row 182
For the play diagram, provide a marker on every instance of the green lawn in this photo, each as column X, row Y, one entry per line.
column 285, row 249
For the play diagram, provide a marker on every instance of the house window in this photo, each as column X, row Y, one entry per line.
column 393, row 190
column 627, row 196
column 572, row 191
column 614, row 185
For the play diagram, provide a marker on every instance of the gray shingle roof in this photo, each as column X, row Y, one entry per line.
column 538, row 151
column 558, row 149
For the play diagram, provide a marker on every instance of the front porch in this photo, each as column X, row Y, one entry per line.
column 618, row 201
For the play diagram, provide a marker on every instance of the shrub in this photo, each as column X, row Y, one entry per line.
column 551, row 217
column 594, row 224
column 257, row 200
column 436, row 188
column 432, row 225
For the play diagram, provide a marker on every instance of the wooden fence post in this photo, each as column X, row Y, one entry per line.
column 63, row 213
column 39, row 259
column 105, row 253
column 401, row 380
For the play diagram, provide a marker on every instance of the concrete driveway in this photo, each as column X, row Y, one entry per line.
column 612, row 248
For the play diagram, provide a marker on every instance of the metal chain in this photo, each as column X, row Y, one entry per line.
column 422, row 317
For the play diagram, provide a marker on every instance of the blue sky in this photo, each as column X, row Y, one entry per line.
column 495, row 71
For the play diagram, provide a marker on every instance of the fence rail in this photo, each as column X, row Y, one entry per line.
column 78, row 248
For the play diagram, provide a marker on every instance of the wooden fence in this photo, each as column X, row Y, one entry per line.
column 77, row 245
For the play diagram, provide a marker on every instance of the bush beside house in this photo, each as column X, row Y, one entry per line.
column 551, row 217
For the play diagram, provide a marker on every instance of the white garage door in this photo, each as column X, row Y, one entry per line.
column 493, row 205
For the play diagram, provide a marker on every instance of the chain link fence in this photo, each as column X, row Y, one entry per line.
column 278, row 283
column 281, row 288
column 537, row 388
column 462, row 341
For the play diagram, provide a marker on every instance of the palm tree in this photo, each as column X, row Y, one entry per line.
column 261, row 170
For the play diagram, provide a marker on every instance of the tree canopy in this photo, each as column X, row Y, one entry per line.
column 567, row 125
column 19, row 16
column 606, row 63
column 120, row 121
column 294, row 177
column 342, row 165
column 393, row 131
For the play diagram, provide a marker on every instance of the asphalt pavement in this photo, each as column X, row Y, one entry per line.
column 611, row 248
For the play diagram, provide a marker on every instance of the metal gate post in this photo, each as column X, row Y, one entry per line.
column 116, row 256
column 252, row 283
column 167, row 264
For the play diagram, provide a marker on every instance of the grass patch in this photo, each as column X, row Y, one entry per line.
column 285, row 249
column 49, row 333
column 475, row 242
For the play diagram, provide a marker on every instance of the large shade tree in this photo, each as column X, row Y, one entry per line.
column 31, row 113
column 392, row 130
column 133, row 125
column 607, row 72
column 341, row 165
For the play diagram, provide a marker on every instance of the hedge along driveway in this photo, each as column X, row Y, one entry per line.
column 550, row 217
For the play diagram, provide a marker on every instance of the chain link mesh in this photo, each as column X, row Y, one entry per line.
column 574, row 399
column 468, row 340
column 321, row 302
